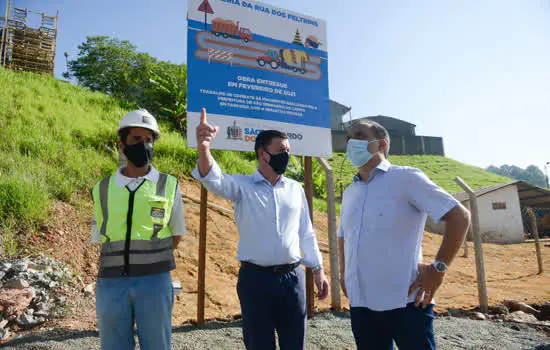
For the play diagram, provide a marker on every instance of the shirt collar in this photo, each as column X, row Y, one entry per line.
column 122, row 180
column 257, row 177
column 383, row 167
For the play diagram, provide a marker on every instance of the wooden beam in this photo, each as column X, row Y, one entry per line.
column 308, row 181
column 332, row 236
column 478, row 248
column 201, row 287
column 535, row 197
column 535, row 233
column 210, row 205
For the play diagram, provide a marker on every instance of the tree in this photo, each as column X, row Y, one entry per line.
column 531, row 174
column 110, row 65
column 535, row 176
column 115, row 67
column 172, row 91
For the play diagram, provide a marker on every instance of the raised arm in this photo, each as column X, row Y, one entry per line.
column 205, row 134
column 207, row 171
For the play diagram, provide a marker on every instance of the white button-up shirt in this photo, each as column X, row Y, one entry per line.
column 177, row 218
column 382, row 222
column 274, row 223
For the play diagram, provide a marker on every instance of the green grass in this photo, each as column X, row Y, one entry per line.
column 441, row 170
column 56, row 141
column 54, row 144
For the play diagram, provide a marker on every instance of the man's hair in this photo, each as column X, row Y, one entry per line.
column 380, row 132
column 123, row 134
column 265, row 137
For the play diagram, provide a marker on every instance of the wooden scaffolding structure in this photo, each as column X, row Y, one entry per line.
column 23, row 47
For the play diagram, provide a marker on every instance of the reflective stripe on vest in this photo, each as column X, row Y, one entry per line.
column 134, row 227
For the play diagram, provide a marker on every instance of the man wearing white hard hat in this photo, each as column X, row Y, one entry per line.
column 138, row 219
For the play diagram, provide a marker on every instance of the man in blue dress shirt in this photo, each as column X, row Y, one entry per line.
column 272, row 214
column 382, row 222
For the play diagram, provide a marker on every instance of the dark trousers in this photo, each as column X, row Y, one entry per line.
column 411, row 328
column 269, row 302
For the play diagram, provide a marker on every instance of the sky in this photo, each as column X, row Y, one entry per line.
column 476, row 73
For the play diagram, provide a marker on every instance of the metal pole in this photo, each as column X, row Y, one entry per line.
column 478, row 248
column 202, row 256
column 535, row 231
column 308, row 181
column 332, row 239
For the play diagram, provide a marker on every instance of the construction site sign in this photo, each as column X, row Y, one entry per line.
column 256, row 67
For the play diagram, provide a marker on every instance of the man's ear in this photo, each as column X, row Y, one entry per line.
column 383, row 145
column 261, row 154
column 120, row 144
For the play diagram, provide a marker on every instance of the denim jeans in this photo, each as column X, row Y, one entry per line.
column 147, row 300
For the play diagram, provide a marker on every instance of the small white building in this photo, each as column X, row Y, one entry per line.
column 500, row 210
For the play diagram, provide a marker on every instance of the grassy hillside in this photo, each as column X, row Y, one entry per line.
column 58, row 141
column 54, row 144
column 440, row 169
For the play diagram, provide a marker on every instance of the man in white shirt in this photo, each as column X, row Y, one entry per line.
column 382, row 221
column 274, row 225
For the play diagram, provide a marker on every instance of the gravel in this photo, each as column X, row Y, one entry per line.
column 326, row 331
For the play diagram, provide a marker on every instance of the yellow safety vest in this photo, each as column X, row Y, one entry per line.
column 136, row 239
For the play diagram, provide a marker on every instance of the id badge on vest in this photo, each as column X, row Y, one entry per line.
column 158, row 215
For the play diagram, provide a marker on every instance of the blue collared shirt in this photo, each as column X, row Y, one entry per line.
column 382, row 222
column 274, row 223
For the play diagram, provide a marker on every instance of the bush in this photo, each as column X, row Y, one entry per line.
column 23, row 201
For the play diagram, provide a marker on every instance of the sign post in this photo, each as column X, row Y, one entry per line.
column 257, row 67
column 308, row 182
column 201, row 285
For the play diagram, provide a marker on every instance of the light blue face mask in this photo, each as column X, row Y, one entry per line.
column 358, row 153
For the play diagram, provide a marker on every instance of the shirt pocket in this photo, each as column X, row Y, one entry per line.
column 382, row 213
column 288, row 201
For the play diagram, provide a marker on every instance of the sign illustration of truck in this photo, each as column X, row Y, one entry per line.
column 312, row 41
column 290, row 59
column 228, row 29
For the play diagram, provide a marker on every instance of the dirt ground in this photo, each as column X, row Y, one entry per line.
column 511, row 270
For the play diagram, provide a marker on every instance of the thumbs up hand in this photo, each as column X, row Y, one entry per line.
column 205, row 132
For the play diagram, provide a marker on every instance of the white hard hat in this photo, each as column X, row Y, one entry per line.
column 140, row 118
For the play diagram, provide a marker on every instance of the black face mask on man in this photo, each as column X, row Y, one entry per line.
column 279, row 162
column 139, row 154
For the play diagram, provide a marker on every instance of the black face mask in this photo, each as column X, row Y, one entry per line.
column 279, row 162
column 139, row 154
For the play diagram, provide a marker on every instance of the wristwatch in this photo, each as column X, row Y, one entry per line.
column 440, row 266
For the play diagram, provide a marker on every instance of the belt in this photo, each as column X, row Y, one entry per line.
column 272, row 269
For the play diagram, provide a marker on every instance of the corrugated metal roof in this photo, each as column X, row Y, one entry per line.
column 529, row 195
column 463, row 196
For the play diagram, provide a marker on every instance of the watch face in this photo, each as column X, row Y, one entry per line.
column 440, row 267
